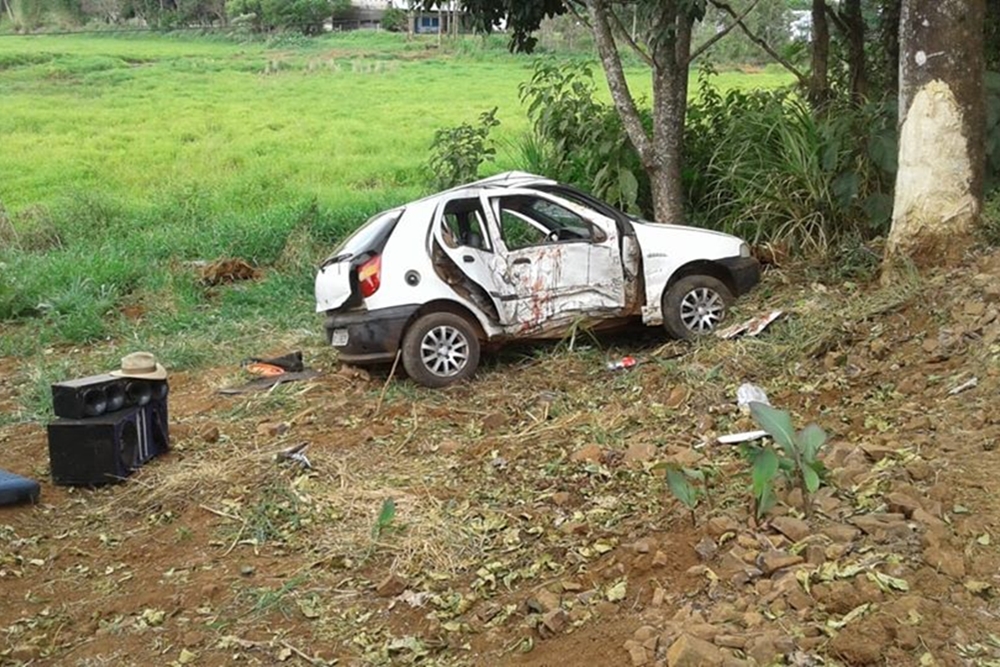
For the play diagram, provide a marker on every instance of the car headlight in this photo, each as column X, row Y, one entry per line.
column 744, row 250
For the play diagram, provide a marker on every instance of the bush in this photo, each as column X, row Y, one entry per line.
column 457, row 152
column 305, row 16
column 580, row 140
column 394, row 20
column 764, row 166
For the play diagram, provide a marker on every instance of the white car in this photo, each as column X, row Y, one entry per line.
column 516, row 256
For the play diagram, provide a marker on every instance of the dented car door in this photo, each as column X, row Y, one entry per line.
column 563, row 260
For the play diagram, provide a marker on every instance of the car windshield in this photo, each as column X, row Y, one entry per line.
column 583, row 199
column 370, row 237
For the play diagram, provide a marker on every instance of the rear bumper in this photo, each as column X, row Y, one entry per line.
column 373, row 336
column 744, row 273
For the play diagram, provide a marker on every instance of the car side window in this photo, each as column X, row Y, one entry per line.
column 526, row 220
column 463, row 224
column 518, row 232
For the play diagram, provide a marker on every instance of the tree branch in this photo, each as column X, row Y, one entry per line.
column 803, row 80
column 575, row 11
column 837, row 20
column 617, row 84
column 617, row 27
column 725, row 31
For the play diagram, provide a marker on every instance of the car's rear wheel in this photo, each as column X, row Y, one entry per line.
column 440, row 349
column 695, row 306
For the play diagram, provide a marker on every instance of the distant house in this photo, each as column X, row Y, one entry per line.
column 368, row 14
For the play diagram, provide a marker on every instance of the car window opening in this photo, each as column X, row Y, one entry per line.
column 463, row 224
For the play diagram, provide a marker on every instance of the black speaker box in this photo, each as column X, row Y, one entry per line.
column 99, row 394
column 109, row 447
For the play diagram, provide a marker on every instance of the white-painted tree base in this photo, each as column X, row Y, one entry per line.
column 934, row 203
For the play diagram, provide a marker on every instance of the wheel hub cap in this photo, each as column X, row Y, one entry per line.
column 444, row 351
column 702, row 309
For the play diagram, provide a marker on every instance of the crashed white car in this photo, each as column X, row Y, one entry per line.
column 511, row 257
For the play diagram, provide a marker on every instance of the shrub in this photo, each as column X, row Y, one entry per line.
column 457, row 152
column 305, row 16
column 763, row 165
column 580, row 140
column 394, row 20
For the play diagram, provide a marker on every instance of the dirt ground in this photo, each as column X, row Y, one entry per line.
column 522, row 519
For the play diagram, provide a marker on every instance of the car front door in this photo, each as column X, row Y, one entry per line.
column 562, row 260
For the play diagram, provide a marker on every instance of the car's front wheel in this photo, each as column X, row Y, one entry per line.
column 440, row 349
column 695, row 305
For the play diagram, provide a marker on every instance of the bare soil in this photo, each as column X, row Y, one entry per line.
column 531, row 524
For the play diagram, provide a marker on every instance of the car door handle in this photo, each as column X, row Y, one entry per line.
column 521, row 260
column 468, row 259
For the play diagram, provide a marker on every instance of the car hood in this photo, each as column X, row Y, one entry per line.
column 655, row 237
column 333, row 286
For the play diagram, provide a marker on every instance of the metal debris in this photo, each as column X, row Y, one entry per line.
column 752, row 327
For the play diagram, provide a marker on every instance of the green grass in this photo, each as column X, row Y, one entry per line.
column 129, row 159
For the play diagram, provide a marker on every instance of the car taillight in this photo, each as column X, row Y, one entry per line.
column 369, row 276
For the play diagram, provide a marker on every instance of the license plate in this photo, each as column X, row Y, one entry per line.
column 339, row 338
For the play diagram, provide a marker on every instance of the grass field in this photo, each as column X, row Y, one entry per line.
column 126, row 160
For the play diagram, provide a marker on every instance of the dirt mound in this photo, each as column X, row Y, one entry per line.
column 522, row 519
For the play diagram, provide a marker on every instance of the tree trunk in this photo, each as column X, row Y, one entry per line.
column 662, row 153
column 890, row 42
column 939, row 185
column 670, row 83
column 819, row 83
column 855, row 24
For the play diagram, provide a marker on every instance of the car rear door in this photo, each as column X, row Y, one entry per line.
column 461, row 231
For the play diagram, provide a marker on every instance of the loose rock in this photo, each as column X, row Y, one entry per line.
column 792, row 528
column 688, row 651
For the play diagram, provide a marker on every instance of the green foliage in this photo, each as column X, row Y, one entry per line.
column 521, row 19
column 769, row 19
column 386, row 515
column 688, row 485
column 580, row 140
column 990, row 229
column 992, row 84
column 457, row 152
column 762, row 165
column 305, row 16
column 394, row 20
column 797, row 453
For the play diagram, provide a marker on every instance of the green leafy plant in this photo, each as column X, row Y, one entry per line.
column 578, row 139
column 394, row 20
column 457, row 152
column 763, row 165
column 385, row 518
column 688, row 485
column 795, row 456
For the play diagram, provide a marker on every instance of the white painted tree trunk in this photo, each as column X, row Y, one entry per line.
column 939, row 185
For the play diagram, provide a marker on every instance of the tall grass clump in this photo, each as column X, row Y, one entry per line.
column 763, row 165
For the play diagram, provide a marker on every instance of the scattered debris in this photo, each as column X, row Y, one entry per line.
column 750, row 393
column 969, row 384
column 624, row 363
column 752, row 327
column 297, row 454
column 736, row 438
column 269, row 381
column 286, row 363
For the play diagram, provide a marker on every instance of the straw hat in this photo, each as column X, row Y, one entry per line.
column 141, row 365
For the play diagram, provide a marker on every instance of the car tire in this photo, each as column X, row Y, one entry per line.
column 695, row 306
column 440, row 349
